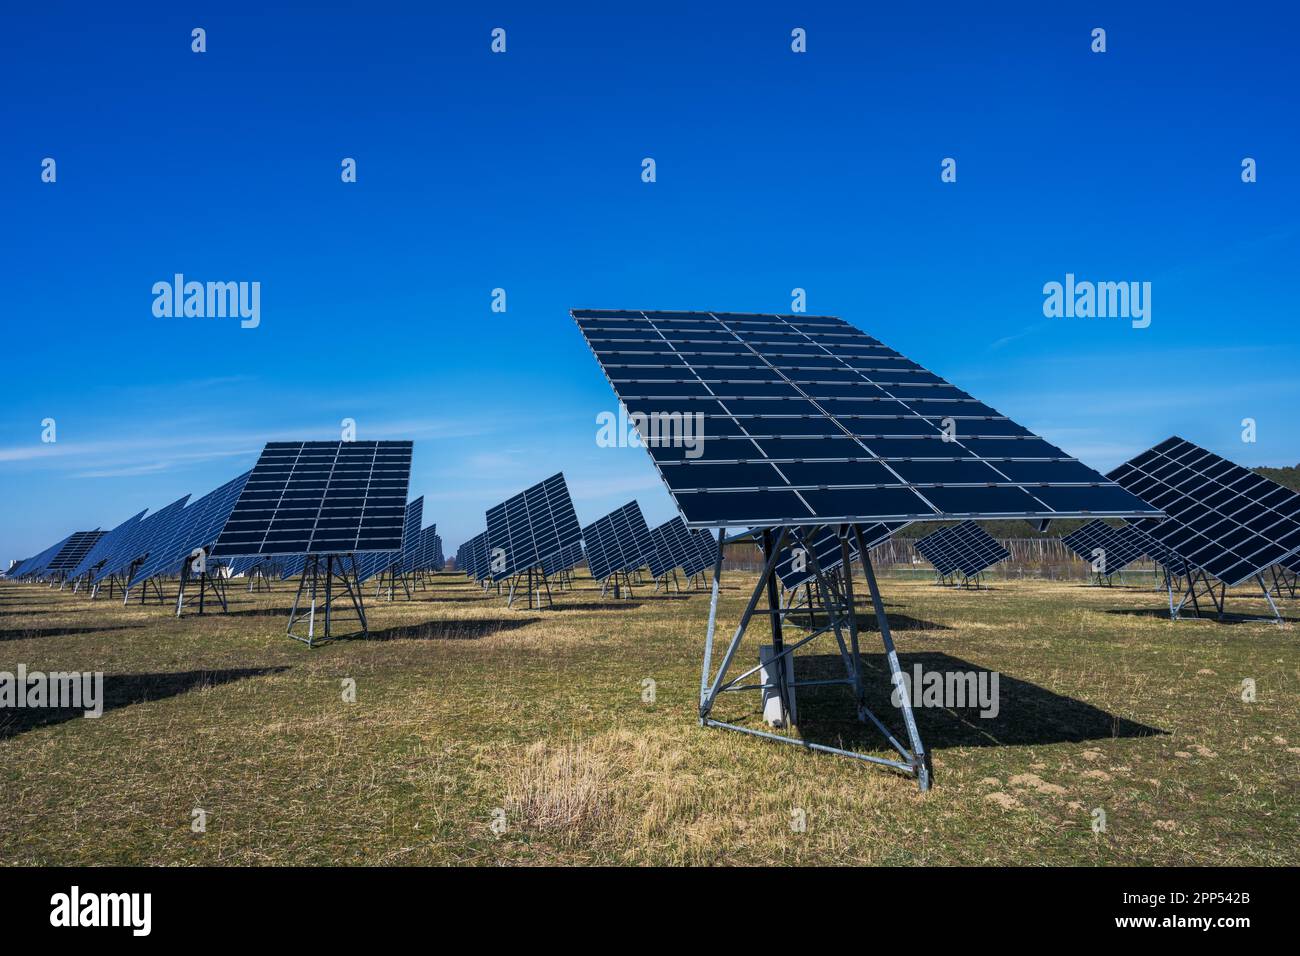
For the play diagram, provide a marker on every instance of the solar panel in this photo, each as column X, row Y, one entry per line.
column 1166, row 557
column 321, row 497
column 1119, row 547
column 142, row 536
column 428, row 545
column 78, row 547
column 794, row 568
column 1222, row 518
column 662, row 559
column 807, row 420
column 532, row 526
column 618, row 542
column 35, row 565
column 568, row 558
column 439, row 560
column 476, row 556
column 377, row 562
column 106, row 545
column 706, row 552
column 197, row 526
column 965, row 548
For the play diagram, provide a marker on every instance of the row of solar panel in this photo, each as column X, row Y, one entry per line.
column 335, row 496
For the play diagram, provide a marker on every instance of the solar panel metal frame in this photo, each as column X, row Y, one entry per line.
column 1223, row 519
column 321, row 498
column 830, row 402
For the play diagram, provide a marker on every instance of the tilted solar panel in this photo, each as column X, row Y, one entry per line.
column 106, row 545
column 1222, row 518
column 1163, row 555
column 531, row 526
column 662, row 559
column 795, row 567
column 932, row 548
column 197, row 527
column 71, row 554
column 36, row 565
column 1111, row 549
column 618, row 542
column 321, row 498
column 976, row 549
column 806, row 420
column 707, row 546
column 144, row 535
column 568, row 558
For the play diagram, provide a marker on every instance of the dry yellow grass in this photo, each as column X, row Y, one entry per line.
column 482, row 734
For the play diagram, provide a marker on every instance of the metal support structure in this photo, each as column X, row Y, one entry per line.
column 214, row 583
column 835, row 593
column 620, row 582
column 340, row 570
column 537, row 585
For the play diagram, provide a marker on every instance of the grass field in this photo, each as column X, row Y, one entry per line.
column 467, row 711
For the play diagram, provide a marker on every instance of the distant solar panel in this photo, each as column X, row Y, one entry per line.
column 105, row 546
column 70, row 554
column 568, row 558
column 661, row 560
column 965, row 549
column 321, row 498
column 1222, row 518
column 143, row 535
column 808, row 421
column 1158, row 552
column 1108, row 549
column 378, row 562
column 34, row 566
column 796, row 566
column 707, row 550
column 619, row 542
column 196, row 527
column 532, row 526
column 476, row 556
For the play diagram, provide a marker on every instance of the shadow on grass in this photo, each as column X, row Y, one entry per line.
column 1027, row 714
column 26, row 633
column 1229, row 617
column 459, row 630
column 609, row 604
column 867, row 623
column 123, row 690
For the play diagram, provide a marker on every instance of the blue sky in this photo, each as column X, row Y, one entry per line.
column 521, row 170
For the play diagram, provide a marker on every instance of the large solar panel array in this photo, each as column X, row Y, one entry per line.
column 794, row 569
column 965, row 548
column 533, row 526
column 321, row 497
column 807, row 420
column 1222, row 518
column 137, row 542
column 1119, row 547
column 620, row 542
column 197, row 526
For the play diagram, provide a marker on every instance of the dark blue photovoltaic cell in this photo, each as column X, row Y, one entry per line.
column 1222, row 518
column 569, row 557
column 143, row 535
column 197, row 527
column 321, row 498
column 766, row 420
column 531, row 527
